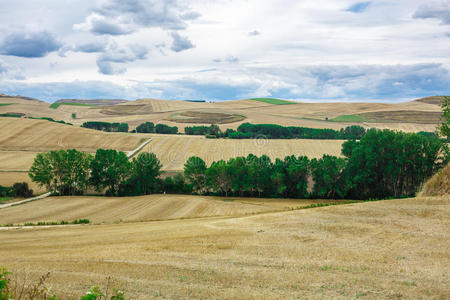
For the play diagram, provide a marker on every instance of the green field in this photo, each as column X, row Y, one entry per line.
column 349, row 118
column 5, row 104
column 56, row 105
column 273, row 101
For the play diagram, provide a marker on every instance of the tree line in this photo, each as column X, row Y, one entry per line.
column 273, row 131
column 106, row 126
column 383, row 163
column 149, row 127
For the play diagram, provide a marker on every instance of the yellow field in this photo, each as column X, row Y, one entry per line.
column 142, row 208
column 41, row 135
column 379, row 250
column 173, row 151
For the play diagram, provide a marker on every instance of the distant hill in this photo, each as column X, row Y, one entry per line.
column 95, row 102
column 437, row 100
column 19, row 97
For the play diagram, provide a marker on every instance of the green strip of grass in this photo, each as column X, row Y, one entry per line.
column 5, row 104
column 10, row 115
column 273, row 101
column 56, row 105
column 349, row 118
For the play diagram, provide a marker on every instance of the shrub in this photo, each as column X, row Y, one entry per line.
column 21, row 190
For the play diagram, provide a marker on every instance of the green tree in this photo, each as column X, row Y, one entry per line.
column 444, row 128
column 109, row 169
column 218, row 177
column 195, row 173
column 147, row 127
column 64, row 171
column 328, row 176
column 145, row 173
column 123, row 127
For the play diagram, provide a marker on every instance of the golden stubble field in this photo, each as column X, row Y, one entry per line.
column 394, row 249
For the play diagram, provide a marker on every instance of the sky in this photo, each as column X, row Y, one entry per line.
column 321, row 50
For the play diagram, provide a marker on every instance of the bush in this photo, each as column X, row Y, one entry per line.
column 21, row 190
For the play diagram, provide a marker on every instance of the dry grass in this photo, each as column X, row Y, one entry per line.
column 143, row 208
column 381, row 250
column 403, row 116
column 439, row 184
column 174, row 151
column 8, row 178
column 41, row 135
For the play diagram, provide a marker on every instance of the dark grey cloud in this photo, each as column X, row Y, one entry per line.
column 117, row 17
column 439, row 11
column 254, row 33
column 180, row 43
column 111, row 61
column 29, row 44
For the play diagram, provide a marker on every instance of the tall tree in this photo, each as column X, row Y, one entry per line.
column 444, row 128
column 64, row 171
column 195, row 173
column 146, row 169
column 328, row 176
column 109, row 169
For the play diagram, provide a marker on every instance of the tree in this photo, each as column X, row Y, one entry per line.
column 147, row 127
column 109, row 169
column 74, row 115
column 146, row 169
column 444, row 128
column 328, row 176
column 195, row 173
column 163, row 128
column 123, row 127
column 64, row 171
column 218, row 178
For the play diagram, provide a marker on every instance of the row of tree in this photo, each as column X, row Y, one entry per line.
column 382, row 164
column 149, row 127
column 106, row 126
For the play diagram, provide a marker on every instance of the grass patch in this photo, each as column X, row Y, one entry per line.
column 56, row 105
column 5, row 199
column 349, row 118
column 6, row 104
column 273, row 101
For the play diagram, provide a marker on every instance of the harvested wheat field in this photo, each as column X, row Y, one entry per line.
column 174, row 151
column 8, row 178
column 40, row 135
column 143, row 208
column 378, row 250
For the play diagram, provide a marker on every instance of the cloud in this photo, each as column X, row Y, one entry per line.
column 440, row 11
column 91, row 47
column 358, row 7
column 3, row 68
column 229, row 59
column 111, row 61
column 117, row 17
column 180, row 43
column 33, row 44
column 254, row 33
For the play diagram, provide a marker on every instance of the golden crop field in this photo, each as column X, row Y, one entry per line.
column 41, row 135
column 377, row 250
column 142, row 208
column 173, row 151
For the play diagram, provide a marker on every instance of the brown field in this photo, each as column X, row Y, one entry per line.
column 142, row 208
column 173, row 151
column 394, row 249
column 9, row 178
column 403, row 116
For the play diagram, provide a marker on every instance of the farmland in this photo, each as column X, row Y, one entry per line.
column 386, row 249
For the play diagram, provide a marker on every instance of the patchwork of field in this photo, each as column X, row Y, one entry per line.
column 419, row 115
column 142, row 208
column 174, row 151
column 378, row 250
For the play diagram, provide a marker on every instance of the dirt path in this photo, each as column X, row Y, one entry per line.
column 25, row 200
column 135, row 151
